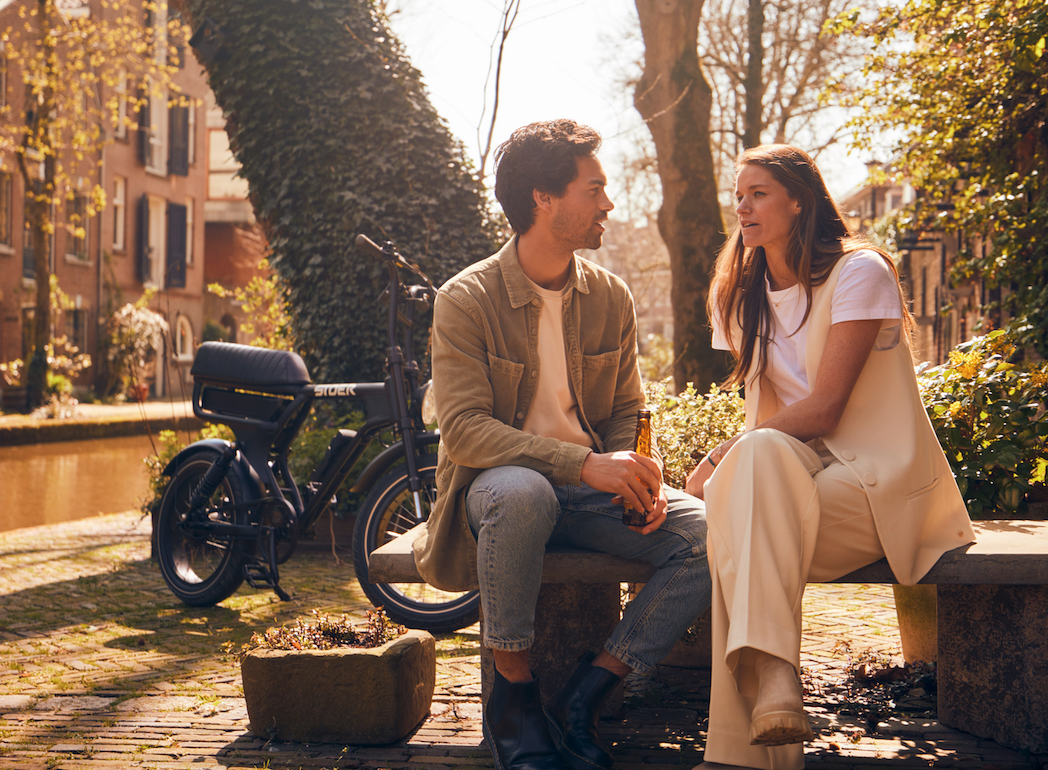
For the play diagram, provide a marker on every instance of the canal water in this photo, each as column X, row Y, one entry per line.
column 68, row 480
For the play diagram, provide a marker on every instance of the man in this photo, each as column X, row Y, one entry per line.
column 535, row 371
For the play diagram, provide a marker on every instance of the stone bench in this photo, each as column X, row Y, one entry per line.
column 992, row 599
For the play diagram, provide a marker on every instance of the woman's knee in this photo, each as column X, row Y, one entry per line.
column 763, row 441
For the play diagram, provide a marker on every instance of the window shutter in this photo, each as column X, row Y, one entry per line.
column 176, row 246
column 145, row 261
column 178, row 155
column 145, row 150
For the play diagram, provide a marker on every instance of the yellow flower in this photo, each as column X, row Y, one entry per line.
column 955, row 410
column 966, row 364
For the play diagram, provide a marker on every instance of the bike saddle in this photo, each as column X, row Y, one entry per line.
column 246, row 365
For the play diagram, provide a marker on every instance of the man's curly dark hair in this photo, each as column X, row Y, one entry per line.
column 539, row 156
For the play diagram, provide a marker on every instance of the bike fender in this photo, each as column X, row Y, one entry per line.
column 245, row 474
column 389, row 457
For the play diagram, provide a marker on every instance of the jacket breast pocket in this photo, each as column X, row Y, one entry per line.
column 600, row 375
column 505, row 381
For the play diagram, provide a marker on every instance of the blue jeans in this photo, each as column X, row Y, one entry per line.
column 515, row 513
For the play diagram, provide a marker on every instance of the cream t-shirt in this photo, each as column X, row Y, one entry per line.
column 866, row 290
column 554, row 412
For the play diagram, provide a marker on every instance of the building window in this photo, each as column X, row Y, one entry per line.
column 76, row 227
column 175, row 271
column 192, row 131
column 184, row 339
column 119, row 212
column 78, row 333
column 5, row 210
column 3, row 73
column 152, row 134
column 151, row 243
column 189, row 231
column 179, row 43
column 28, row 253
column 121, row 105
column 28, row 331
column 178, row 146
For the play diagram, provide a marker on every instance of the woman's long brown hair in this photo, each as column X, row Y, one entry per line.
column 818, row 240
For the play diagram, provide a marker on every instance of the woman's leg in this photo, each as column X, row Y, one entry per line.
column 775, row 517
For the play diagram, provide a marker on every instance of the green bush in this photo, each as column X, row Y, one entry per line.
column 689, row 425
column 989, row 416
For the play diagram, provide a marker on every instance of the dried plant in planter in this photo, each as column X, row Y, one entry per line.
column 326, row 633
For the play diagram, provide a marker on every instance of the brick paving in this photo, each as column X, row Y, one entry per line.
column 100, row 667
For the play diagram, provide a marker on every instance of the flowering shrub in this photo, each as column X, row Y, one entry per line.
column 134, row 334
column 989, row 417
column 264, row 301
column 689, row 425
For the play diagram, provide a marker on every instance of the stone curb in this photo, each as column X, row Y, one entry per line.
column 99, row 422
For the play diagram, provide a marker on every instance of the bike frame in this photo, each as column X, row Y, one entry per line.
column 266, row 422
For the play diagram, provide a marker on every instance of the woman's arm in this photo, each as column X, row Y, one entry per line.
column 848, row 346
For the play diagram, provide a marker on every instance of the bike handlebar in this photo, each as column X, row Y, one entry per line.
column 389, row 253
column 368, row 246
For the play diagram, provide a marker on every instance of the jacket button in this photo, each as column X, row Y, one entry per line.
column 534, row 373
column 520, row 415
column 870, row 479
column 536, row 302
column 847, row 454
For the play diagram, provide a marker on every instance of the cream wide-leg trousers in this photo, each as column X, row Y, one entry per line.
column 780, row 514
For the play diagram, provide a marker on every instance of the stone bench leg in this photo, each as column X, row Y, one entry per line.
column 570, row 619
column 993, row 663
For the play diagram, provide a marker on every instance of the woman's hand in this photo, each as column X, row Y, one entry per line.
column 697, row 479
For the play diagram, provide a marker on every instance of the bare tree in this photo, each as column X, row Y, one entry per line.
column 674, row 98
column 768, row 62
column 510, row 10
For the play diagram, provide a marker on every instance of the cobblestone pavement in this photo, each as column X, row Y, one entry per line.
column 100, row 667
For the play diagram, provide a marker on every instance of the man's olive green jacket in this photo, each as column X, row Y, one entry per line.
column 485, row 336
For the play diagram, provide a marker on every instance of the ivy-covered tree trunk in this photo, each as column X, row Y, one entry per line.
column 674, row 98
column 336, row 137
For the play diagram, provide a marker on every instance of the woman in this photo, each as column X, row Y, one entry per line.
column 838, row 466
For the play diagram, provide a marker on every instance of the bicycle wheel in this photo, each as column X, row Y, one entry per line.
column 201, row 571
column 389, row 512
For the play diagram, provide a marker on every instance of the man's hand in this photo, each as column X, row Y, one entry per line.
column 633, row 478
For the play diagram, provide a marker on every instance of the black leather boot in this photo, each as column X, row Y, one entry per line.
column 577, row 712
column 517, row 728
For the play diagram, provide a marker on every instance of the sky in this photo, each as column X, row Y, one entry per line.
column 563, row 58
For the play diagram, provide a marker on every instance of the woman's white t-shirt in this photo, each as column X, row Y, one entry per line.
column 866, row 289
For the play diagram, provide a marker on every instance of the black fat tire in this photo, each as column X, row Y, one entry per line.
column 200, row 572
column 388, row 512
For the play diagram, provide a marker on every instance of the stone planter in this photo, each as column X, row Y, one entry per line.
column 915, row 607
column 345, row 695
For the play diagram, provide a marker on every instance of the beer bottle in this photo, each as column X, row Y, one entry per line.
column 642, row 446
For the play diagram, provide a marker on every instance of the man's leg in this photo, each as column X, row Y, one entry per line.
column 512, row 512
column 674, row 597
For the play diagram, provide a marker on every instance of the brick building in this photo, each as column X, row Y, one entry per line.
column 946, row 315
column 150, row 234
